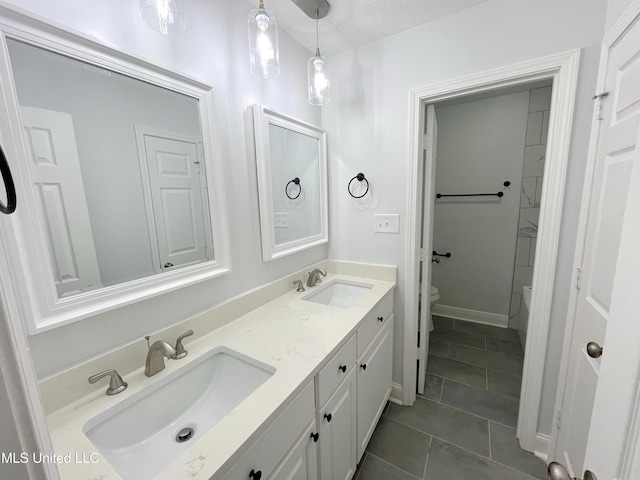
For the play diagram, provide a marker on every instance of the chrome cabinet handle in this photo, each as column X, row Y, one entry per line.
column 594, row 350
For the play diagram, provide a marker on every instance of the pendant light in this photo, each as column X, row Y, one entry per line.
column 317, row 77
column 263, row 42
column 165, row 16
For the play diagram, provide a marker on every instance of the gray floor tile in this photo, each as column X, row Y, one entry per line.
column 400, row 445
column 504, row 384
column 372, row 468
column 505, row 346
column 459, row 371
column 464, row 338
column 437, row 346
column 448, row 462
column 442, row 323
column 506, row 450
column 493, row 406
column 484, row 358
column 461, row 428
column 433, row 388
column 479, row 328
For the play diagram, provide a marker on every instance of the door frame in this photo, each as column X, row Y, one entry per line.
column 562, row 69
column 631, row 462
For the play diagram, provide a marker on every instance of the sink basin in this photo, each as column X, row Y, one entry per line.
column 338, row 293
column 139, row 436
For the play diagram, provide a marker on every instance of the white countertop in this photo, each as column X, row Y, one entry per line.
column 293, row 335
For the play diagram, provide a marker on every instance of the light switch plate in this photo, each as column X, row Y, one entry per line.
column 281, row 220
column 386, row 223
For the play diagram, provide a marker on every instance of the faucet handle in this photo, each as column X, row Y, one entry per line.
column 298, row 283
column 116, row 384
column 180, row 350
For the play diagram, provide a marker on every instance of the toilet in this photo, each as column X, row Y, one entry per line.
column 434, row 296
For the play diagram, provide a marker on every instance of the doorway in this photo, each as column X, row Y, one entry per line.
column 561, row 71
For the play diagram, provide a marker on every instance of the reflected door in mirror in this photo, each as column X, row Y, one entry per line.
column 178, row 201
column 55, row 170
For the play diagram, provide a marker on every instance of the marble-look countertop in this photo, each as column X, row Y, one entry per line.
column 294, row 336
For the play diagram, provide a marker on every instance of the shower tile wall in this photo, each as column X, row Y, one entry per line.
column 534, row 154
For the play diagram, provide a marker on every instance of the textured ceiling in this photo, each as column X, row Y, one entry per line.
column 351, row 23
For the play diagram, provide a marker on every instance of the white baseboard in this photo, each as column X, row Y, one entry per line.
column 396, row 393
column 541, row 449
column 486, row 318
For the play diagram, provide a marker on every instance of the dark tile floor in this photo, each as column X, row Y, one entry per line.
column 464, row 426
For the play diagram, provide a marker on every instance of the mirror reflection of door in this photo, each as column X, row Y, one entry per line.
column 176, row 199
column 55, row 170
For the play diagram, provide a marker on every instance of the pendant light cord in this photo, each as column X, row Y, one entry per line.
column 317, row 35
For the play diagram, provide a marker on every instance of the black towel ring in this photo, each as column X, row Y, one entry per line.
column 295, row 181
column 360, row 177
column 9, row 187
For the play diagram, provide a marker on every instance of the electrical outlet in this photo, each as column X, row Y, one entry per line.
column 386, row 223
column 281, row 220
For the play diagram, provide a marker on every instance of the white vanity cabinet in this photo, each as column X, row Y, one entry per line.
column 374, row 369
column 287, row 449
column 336, row 401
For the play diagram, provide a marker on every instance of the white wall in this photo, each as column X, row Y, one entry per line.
column 615, row 8
column 480, row 146
column 367, row 123
column 214, row 50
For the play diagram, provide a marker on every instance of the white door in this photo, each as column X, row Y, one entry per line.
column 429, row 152
column 177, row 188
column 597, row 315
column 55, row 168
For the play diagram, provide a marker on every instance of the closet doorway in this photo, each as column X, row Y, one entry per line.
column 560, row 72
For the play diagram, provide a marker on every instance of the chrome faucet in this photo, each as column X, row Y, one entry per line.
column 314, row 277
column 155, row 356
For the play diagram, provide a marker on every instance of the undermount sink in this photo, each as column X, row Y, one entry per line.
column 143, row 434
column 338, row 293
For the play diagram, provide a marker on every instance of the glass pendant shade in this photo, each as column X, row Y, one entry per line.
column 168, row 17
column 263, row 42
column 318, row 81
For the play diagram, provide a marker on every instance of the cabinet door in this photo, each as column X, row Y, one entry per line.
column 374, row 384
column 337, row 426
column 301, row 463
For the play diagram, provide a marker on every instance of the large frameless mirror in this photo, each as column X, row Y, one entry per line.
column 120, row 178
column 292, row 183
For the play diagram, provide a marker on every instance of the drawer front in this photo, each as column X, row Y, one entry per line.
column 335, row 371
column 374, row 322
column 267, row 452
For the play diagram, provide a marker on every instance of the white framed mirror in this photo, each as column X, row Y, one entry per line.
column 291, row 158
column 120, row 188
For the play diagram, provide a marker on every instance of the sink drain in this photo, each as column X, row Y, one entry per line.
column 184, row 434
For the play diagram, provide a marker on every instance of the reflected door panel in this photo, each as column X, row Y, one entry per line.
column 55, row 170
column 177, row 201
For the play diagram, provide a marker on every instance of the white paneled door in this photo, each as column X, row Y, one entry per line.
column 429, row 152
column 599, row 312
column 178, row 200
column 55, row 170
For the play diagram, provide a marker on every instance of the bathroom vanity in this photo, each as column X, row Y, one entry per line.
column 325, row 377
